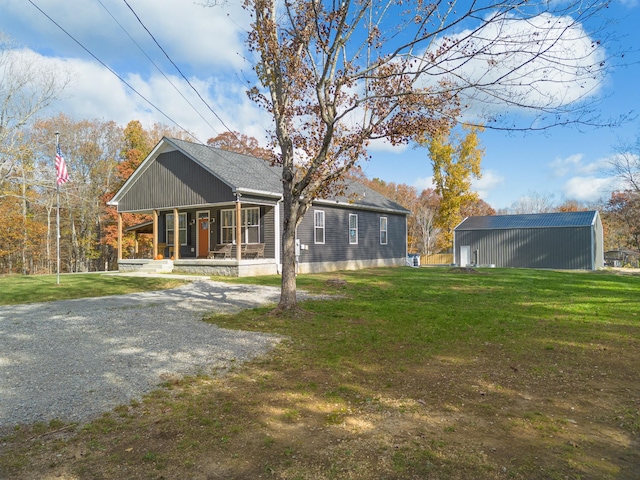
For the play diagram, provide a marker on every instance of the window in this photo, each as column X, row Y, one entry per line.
column 182, row 229
column 228, row 226
column 250, row 225
column 318, row 228
column 383, row 230
column 353, row 228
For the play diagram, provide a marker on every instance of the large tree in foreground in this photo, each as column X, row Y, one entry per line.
column 336, row 76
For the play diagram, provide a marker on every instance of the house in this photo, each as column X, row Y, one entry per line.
column 205, row 202
column 564, row 240
column 622, row 257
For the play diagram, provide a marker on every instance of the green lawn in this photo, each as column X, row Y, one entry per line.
column 426, row 373
column 15, row 289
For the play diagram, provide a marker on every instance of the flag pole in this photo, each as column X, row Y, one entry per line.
column 57, row 217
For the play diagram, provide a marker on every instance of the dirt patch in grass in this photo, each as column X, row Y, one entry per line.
column 551, row 403
column 445, row 418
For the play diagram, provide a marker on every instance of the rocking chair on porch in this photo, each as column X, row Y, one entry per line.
column 224, row 250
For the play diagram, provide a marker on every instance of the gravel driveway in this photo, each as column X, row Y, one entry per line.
column 76, row 359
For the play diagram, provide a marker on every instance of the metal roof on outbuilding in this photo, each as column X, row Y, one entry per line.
column 532, row 220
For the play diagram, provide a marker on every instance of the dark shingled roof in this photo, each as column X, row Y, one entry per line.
column 534, row 220
column 234, row 169
column 247, row 172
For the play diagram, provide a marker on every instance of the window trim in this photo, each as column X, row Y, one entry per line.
column 384, row 230
column 181, row 216
column 232, row 226
column 353, row 239
column 245, row 226
column 319, row 214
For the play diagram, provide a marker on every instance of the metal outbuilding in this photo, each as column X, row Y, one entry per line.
column 563, row 240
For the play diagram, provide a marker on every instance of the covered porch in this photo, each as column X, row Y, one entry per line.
column 209, row 211
column 204, row 240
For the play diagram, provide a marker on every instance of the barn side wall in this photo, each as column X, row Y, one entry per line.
column 557, row 247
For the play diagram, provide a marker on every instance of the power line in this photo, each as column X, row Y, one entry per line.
column 180, row 71
column 155, row 65
column 113, row 72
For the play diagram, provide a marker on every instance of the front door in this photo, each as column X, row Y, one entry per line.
column 465, row 255
column 203, row 237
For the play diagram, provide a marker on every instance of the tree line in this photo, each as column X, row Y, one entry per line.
column 101, row 155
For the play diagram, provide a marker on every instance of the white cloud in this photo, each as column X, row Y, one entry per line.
column 563, row 166
column 94, row 92
column 383, row 145
column 584, row 189
column 575, row 165
column 192, row 35
column 507, row 68
column 489, row 181
column 206, row 43
column 423, row 183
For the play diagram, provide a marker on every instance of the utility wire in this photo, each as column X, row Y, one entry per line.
column 180, row 71
column 114, row 72
column 155, row 65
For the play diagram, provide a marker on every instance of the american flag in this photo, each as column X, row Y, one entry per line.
column 62, row 176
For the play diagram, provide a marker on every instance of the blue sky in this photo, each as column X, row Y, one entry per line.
column 207, row 45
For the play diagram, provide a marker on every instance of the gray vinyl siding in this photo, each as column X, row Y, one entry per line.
column 174, row 180
column 337, row 247
column 267, row 220
column 561, row 248
column 266, row 230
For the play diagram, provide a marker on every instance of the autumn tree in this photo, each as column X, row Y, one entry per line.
column 571, row 206
column 91, row 149
column 478, row 208
column 623, row 217
column 240, row 143
column 335, row 76
column 455, row 163
column 26, row 88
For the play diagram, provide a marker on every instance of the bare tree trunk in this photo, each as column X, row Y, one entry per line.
column 288, row 292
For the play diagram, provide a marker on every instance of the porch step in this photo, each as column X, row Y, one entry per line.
column 157, row 266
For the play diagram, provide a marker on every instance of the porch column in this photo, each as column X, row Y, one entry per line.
column 176, row 234
column 155, row 235
column 238, row 229
column 119, row 236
